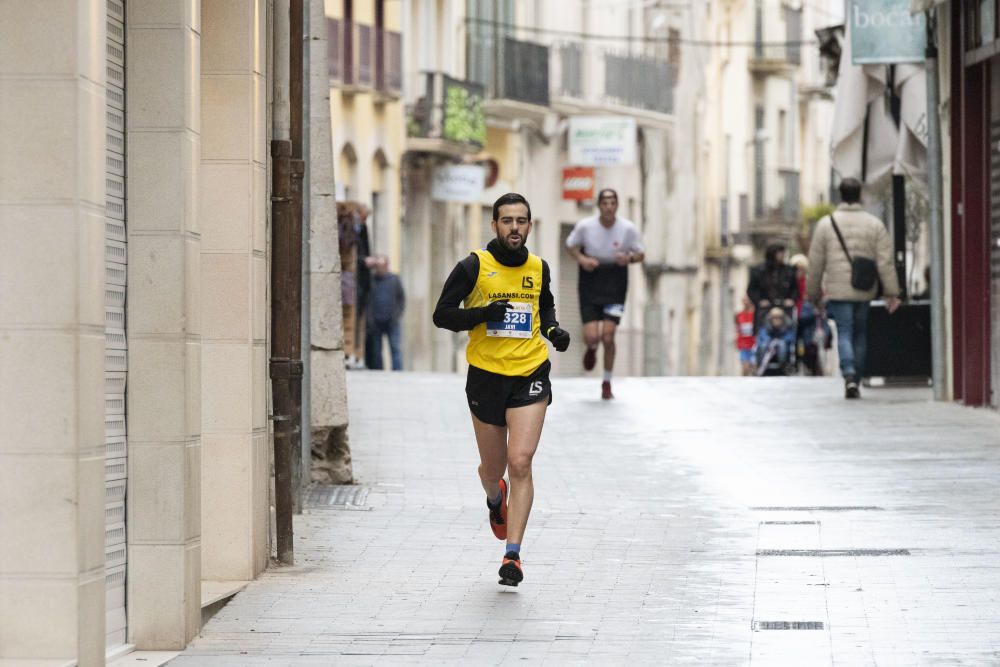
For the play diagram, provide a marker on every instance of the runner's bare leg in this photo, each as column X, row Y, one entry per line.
column 492, row 442
column 591, row 335
column 608, row 338
column 524, row 431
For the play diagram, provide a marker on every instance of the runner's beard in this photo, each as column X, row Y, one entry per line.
column 505, row 241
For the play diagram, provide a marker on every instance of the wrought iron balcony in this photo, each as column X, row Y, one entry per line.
column 509, row 69
column 639, row 81
column 777, row 37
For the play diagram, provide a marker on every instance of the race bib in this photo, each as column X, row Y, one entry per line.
column 516, row 322
column 614, row 309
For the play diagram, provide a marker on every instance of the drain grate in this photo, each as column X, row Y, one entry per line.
column 821, row 508
column 789, row 523
column 832, row 553
column 339, row 496
column 787, row 625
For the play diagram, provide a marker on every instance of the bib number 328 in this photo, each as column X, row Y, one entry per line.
column 516, row 322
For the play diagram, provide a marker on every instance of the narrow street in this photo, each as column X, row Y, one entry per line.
column 718, row 521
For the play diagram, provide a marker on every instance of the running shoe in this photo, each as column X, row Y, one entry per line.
column 590, row 359
column 498, row 514
column 510, row 570
column 606, row 391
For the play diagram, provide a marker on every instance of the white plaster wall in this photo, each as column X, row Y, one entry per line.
column 52, row 102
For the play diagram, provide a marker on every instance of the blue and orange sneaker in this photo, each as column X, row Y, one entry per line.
column 510, row 569
column 498, row 514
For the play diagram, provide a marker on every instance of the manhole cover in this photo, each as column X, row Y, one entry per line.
column 788, row 625
column 339, row 496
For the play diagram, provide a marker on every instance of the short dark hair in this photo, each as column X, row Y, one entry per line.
column 506, row 200
column 850, row 190
column 606, row 192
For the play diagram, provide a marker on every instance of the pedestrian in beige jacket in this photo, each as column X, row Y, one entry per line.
column 830, row 270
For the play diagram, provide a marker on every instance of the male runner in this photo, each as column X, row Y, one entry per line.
column 603, row 245
column 508, row 308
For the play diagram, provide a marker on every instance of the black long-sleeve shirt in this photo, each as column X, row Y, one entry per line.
column 448, row 314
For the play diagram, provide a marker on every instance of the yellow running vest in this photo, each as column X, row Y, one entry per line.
column 515, row 346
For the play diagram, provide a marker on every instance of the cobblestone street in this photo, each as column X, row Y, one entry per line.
column 717, row 521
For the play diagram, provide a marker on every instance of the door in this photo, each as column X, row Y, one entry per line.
column 115, row 356
column 568, row 309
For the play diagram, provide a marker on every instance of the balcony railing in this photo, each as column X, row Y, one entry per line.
column 782, row 218
column 638, row 81
column 633, row 81
column 791, row 201
column 449, row 110
column 570, row 57
column 517, row 70
column 772, row 46
column 362, row 57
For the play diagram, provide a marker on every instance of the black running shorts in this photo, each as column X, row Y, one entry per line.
column 490, row 394
column 594, row 312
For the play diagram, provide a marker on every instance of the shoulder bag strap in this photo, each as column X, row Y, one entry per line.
column 840, row 238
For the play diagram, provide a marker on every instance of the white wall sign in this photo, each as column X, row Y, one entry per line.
column 602, row 141
column 458, row 182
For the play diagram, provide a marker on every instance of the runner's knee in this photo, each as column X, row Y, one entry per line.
column 608, row 338
column 488, row 474
column 519, row 466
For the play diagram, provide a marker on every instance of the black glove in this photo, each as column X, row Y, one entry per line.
column 559, row 338
column 495, row 311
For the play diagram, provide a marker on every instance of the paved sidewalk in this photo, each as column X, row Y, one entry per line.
column 692, row 520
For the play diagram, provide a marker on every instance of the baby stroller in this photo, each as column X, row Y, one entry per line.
column 814, row 338
column 775, row 347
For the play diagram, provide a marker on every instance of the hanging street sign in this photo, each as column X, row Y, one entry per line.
column 578, row 183
column 886, row 31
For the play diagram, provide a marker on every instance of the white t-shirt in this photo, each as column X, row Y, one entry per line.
column 602, row 242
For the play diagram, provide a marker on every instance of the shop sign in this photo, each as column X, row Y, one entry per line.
column 602, row 141
column 458, row 183
column 578, row 183
column 886, row 31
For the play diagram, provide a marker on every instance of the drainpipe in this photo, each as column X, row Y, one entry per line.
column 306, row 345
column 936, row 222
column 285, row 367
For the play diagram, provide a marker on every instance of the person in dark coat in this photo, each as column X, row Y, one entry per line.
column 773, row 283
column 386, row 302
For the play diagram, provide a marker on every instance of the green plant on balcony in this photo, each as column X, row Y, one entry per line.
column 464, row 120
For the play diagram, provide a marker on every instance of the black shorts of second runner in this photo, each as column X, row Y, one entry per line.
column 594, row 312
column 490, row 394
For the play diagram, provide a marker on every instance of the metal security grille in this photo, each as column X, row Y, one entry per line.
column 115, row 349
column 995, row 236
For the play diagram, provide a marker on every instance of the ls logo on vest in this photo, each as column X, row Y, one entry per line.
column 527, row 282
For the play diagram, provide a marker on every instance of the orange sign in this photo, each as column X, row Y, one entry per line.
column 578, row 183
